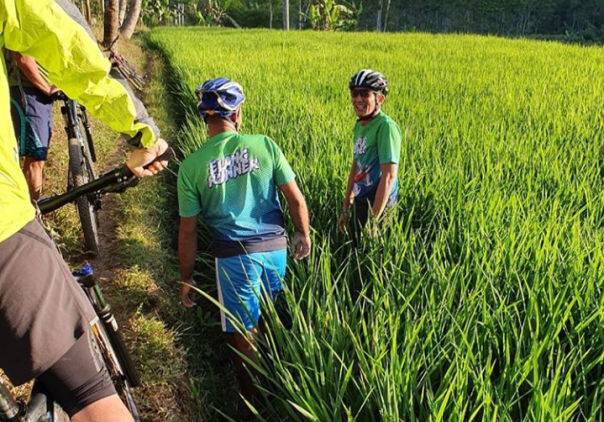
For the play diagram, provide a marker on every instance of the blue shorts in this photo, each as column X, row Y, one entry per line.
column 242, row 280
column 32, row 121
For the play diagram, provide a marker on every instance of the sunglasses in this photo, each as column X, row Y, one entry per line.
column 364, row 93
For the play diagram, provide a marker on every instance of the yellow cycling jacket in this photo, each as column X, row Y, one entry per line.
column 41, row 29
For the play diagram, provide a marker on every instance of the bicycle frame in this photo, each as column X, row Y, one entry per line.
column 38, row 407
column 103, row 310
column 72, row 112
column 116, row 180
column 112, row 181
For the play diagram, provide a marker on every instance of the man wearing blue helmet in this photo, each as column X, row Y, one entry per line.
column 231, row 182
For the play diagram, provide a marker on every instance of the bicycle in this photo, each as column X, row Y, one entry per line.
column 125, row 68
column 41, row 406
column 82, row 157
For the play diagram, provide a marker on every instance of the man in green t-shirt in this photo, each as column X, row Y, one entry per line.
column 232, row 182
column 372, row 181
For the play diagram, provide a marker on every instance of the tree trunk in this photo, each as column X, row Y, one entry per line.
column 305, row 12
column 111, row 23
column 232, row 21
column 299, row 15
column 270, row 13
column 385, row 26
column 131, row 19
column 87, row 11
column 123, row 8
column 286, row 15
column 380, row 16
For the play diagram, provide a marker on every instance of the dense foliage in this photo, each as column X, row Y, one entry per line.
column 570, row 20
column 515, row 17
column 483, row 300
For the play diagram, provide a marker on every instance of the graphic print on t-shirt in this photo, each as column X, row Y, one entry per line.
column 360, row 145
column 239, row 163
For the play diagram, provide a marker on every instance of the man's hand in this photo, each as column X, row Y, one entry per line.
column 142, row 157
column 301, row 244
column 57, row 95
column 343, row 223
column 186, row 294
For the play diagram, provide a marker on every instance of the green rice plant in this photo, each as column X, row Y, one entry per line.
column 483, row 298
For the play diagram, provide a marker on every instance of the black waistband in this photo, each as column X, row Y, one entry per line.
column 228, row 248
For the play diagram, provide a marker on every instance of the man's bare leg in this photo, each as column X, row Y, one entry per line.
column 244, row 345
column 33, row 170
column 108, row 409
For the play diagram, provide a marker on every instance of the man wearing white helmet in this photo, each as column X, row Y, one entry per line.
column 372, row 181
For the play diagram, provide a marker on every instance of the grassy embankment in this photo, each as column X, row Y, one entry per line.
column 484, row 299
column 137, row 265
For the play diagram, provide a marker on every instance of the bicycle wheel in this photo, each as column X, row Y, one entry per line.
column 131, row 69
column 81, row 172
column 136, row 81
column 116, row 368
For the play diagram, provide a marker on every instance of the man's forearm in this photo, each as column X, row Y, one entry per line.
column 29, row 68
column 349, row 196
column 299, row 214
column 382, row 195
column 187, row 250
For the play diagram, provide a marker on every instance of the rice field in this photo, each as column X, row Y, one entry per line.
column 483, row 299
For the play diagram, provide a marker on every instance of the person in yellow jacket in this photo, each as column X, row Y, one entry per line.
column 44, row 315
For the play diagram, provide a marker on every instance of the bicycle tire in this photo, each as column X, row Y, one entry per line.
column 116, row 369
column 134, row 81
column 130, row 73
column 130, row 67
column 81, row 172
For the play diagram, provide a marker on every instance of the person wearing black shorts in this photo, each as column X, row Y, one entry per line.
column 33, row 299
column 45, row 317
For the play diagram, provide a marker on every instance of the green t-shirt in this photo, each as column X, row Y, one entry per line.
column 232, row 182
column 377, row 143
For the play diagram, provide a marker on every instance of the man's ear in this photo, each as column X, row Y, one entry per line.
column 381, row 98
column 235, row 116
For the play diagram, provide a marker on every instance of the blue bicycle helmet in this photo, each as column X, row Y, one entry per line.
column 221, row 97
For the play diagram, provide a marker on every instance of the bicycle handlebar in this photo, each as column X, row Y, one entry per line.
column 112, row 180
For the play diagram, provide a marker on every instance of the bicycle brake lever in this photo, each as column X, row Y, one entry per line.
column 168, row 155
column 58, row 96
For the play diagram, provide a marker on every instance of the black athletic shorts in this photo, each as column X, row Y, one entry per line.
column 45, row 321
column 43, row 310
column 362, row 209
column 79, row 378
